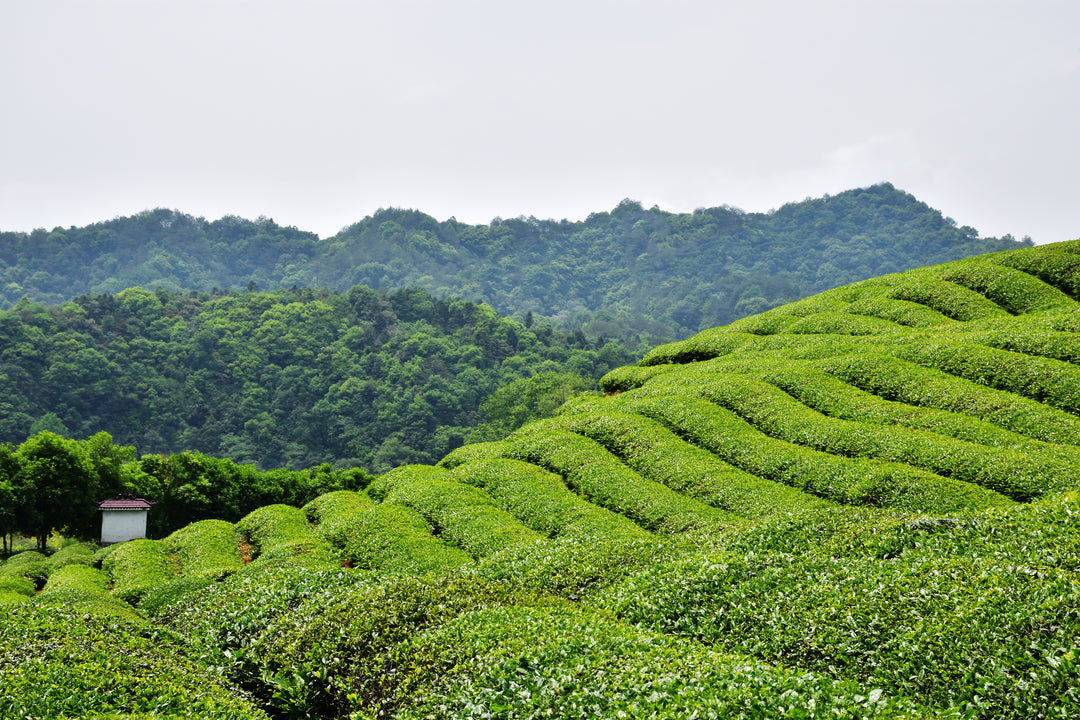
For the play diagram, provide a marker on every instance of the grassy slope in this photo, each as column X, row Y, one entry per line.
column 862, row 504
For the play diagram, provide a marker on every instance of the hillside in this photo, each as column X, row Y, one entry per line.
column 861, row 504
column 642, row 275
column 290, row 379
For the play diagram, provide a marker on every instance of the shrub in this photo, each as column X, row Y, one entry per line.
column 137, row 566
column 649, row 448
column 390, row 539
column 463, row 514
column 781, row 416
column 853, row 481
column 75, row 553
column 1016, row 291
column 541, row 500
column 953, row 301
column 63, row 662
column 335, row 504
column 976, row 613
column 592, row 472
column 282, row 533
column 904, row 381
column 206, row 547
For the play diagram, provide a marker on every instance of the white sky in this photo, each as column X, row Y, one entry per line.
column 318, row 113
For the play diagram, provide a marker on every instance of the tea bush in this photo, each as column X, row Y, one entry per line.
column 904, row 381
column 57, row 661
column 206, row 547
column 461, row 513
column 541, row 500
column 390, row 539
column 281, row 533
column 592, row 472
column 953, row 301
column 1015, row 291
column 1055, row 264
column 653, row 450
column 779, row 415
column 902, row 312
column 979, row 613
column 853, row 481
column 137, row 566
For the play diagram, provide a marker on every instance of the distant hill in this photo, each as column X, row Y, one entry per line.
column 644, row 275
column 863, row 504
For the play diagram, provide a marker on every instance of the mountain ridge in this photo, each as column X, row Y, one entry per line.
column 643, row 275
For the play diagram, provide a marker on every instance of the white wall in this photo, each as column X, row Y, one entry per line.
column 121, row 525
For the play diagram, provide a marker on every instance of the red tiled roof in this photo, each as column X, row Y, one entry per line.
column 125, row 502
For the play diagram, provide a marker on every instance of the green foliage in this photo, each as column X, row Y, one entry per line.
column 275, row 532
column 978, row 613
column 63, row 662
column 54, row 488
column 795, row 516
column 591, row 471
column 542, row 501
column 525, row 400
column 643, row 275
column 207, row 548
column 654, row 451
column 137, row 566
column 460, row 513
column 316, row 382
column 390, row 539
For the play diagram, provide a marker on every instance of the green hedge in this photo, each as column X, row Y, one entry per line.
column 541, row 500
column 854, row 481
column 64, row 663
column 831, row 396
column 29, row 565
column 206, row 547
column 592, row 472
column 389, row 539
column 781, row 416
column 978, row 613
column 949, row 299
column 1055, row 264
column 460, row 513
column 76, row 553
column 77, row 579
column 898, row 379
column 1044, row 380
column 334, row 504
column 283, row 533
column 843, row 323
column 654, row 451
column 1015, row 291
column 137, row 566
column 903, row 312
column 467, row 648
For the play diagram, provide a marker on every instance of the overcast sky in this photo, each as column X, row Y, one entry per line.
column 318, row 113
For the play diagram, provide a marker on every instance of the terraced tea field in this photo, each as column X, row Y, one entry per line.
column 861, row 504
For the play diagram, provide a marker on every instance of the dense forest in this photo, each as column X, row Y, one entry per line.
column 642, row 275
column 291, row 379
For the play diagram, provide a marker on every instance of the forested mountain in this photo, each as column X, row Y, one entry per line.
column 290, row 379
column 644, row 275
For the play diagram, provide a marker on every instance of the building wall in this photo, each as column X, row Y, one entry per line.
column 122, row 525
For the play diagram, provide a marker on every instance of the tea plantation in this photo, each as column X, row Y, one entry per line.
column 862, row 504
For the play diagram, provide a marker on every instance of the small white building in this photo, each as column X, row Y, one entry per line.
column 123, row 518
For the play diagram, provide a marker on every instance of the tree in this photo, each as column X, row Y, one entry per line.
column 525, row 400
column 9, row 468
column 54, row 488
